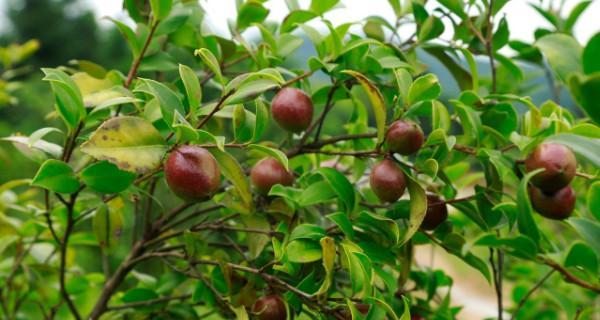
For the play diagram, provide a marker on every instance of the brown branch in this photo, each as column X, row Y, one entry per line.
column 344, row 137
column 147, row 302
column 63, row 260
column 569, row 277
column 215, row 109
column 136, row 63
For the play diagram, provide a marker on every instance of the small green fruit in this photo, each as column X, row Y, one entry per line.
column 559, row 164
column 269, row 172
column 192, row 173
column 292, row 109
column 557, row 206
column 436, row 214
column 387, row 181
column 270, row 307
column 404, row 137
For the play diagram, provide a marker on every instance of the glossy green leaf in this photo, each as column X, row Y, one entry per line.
column 418, row 208
column 69, row 101
column 526, row 224
column 343, row 222
column 377, row 102
column 56, row 176
column 426, row 87
column 251, row 12
column 161, row 8
column 340, row 184
column 563, row 53
column 294, row 18
column 106, row 177
column 131, row 143
column 582, row 256
column 169, row 101
column 275, row 153
column 304, row 251
column 211, row 62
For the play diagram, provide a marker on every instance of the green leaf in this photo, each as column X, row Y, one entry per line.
column 418, row 208
column 526, row 224
column 69, row 102
column 328, row 253
column 244, row 123
column 304, row 251
column 582, row 256
column 563, row 53
column 256, row 241
column 192, row 87
column 589, row 231
column 584, row 147
column 211, row 62
column 160, row 8
column 404, row 81
column 275, row 153
column 377, row 102
column 591, row 52
column 262, row 119
column 294, row 18
column 308, row 231
column 340, row 184
column 129, row 35
column 380, row 226
column 139, row 294
column 316, row 193
column 56, row 176
column 250, row 12
column 359, row 266
column 575, row 14
column 426, row 87
column 107, row 225
column 321, row 6
column 388, row 309
column 593, row 199
column 343, row 222
column 456, row 6
column 232, row 170
column 586, row 92
column 249, row 85
column 131, row 143
column 168, row 99
column 520, row 246
column 106, row 177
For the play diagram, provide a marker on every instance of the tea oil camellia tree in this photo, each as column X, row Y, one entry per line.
column 207, row 181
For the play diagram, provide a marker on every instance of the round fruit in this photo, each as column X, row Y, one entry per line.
column 437, row 212
column 270, row 307
column 292, row 109
column 387, row 181
column 558, row 205
column 269, row 172
column 192, row 172
column 404, row 137
column 559, row 164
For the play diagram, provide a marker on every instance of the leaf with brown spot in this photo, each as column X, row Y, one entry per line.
column 132, row 143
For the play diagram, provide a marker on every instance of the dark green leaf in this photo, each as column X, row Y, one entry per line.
column 106, row 177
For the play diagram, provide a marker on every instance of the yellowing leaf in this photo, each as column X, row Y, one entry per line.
column 376, row 101
column 131, row 143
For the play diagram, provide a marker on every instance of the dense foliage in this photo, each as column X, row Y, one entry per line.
column 208, row 181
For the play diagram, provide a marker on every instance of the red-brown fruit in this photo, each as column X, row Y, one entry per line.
column 437, row 212
column 404, row 137
column 558, row 205
column 292, row 109
column 559, row 163
column 269, row 172
column 192, row 172
column 416, row 317
column 270, row 307
column 387, row 181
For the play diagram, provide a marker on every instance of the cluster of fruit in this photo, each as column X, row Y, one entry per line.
column 551, row 195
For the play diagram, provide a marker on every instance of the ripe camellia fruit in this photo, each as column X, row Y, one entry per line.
column 558, row 205
column 387, row 181
column 269, row 172
column 404, row 137
column 437, row 212
column 292, row 109
column 559, row 164
column 270, row 307
column 192, row 172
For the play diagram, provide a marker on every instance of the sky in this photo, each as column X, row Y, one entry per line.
column 522, row 19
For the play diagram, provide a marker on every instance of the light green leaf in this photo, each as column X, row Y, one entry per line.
column 404, row 81
column 304, row 251
column 192, row 87
column 563, row 53
column 262, row 119
column 131, row 143
column 232, row 170
column 377, row 102
column 251, row 12
column 56, row 176
column 69, row 101
column 168, row 99
column 582, row 256
column 275, row 153
column 593, row 199
column 294, row 18
column 211, row 62
column 160, row 8
column 321, row 6
column 589, row 231
column 426, row 87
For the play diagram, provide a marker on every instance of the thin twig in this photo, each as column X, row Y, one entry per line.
column 530, row 292
column 148, row 302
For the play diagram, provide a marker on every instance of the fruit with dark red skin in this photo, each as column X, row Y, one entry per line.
column 436, row 214
column 292, row 109
column 270, row 307
column 559, row 163
column 404, row 137
column 192, row 173
column 387, row 181
column 269, row 172
column 416, row 317
column 557, row 206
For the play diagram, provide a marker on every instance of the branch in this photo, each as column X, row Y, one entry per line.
column 147, row 302
column 344, row 137
column 569, row 277
column 530, row 292
column 215, row 109
column 136, row 63
column 63, row 260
